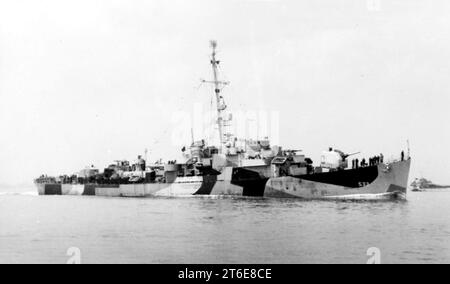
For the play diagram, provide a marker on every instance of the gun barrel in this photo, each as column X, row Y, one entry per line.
column 348, row 155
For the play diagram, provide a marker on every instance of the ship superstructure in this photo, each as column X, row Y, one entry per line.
column 238, row 167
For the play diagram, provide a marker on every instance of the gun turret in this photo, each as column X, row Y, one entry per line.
column 335, row 159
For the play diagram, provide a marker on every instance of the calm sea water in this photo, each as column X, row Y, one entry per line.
column 41, row 229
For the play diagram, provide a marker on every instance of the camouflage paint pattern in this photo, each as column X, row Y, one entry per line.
column 389, row 181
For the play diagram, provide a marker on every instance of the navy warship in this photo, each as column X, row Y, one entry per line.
column 238, row 167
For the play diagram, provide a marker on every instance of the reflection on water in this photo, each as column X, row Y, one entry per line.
column 223, row 230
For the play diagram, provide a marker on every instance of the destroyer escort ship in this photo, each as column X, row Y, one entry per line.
column 237, row 167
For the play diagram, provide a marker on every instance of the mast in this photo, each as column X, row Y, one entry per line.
column 220, row 102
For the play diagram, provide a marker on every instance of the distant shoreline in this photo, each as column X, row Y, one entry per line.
column 437, row 187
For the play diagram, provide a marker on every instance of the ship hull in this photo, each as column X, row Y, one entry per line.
column 142, row 190
column 219, row 185
column 372, row 183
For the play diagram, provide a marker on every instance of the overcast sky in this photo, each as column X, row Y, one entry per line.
column 87, row 82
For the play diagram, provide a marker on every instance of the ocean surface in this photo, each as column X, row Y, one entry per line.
column 48, row 229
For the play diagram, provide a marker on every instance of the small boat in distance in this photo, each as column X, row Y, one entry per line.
column 423, row 184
